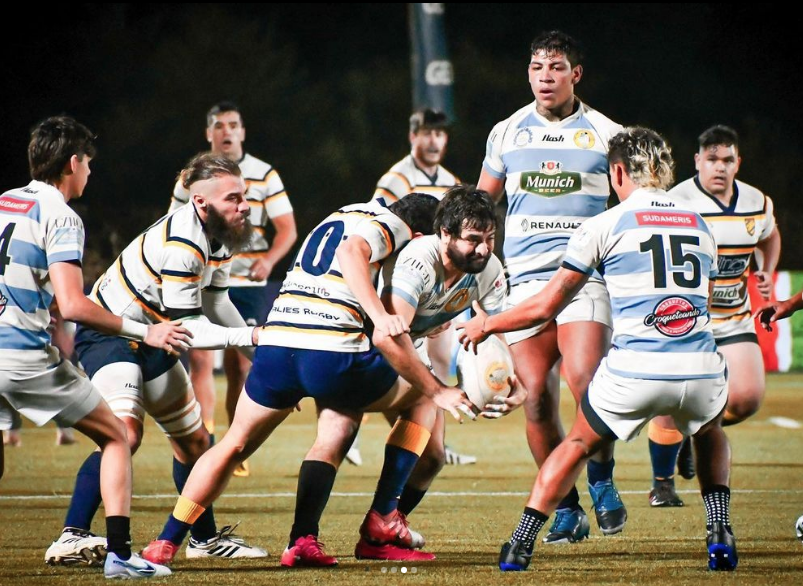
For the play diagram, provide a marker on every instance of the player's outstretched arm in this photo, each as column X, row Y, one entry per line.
column 536, row 310
column 779, row 310
column 68, row 283
column 286, row 235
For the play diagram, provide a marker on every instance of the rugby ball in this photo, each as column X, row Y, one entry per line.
column 484, row 375
column 799, row 528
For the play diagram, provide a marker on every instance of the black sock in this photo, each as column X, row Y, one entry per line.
column 717, row 500
column 315, row 482
column 530, row 524
column 410, row 497
column 118, row 536
column 571, row 500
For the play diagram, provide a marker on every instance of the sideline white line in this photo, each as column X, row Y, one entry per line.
column 254, row 495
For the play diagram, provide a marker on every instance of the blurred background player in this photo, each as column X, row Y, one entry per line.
column 421, row 172
column 176, row 269
column 40, row 260
column 251, row 289
column 658, row 258
column 743, row 223
column 551, row 159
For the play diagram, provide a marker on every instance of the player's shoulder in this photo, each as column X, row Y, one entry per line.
column 604, row 126
column 750, row 198
column 425, row 248
column 503, row 127
column 253, row 168
column 36, row 200
column 686, row 190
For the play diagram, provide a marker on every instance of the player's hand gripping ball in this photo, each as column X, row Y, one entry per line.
column 485, row 375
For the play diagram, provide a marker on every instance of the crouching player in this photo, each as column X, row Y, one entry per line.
column 177, row 269
column 658, row 259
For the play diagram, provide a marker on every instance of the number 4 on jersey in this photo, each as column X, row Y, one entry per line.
column 5, row 241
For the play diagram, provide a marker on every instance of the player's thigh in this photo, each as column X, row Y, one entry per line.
column 745, row 372
column 202, row 362
column 336, row 431
column 582, row 345
column 703, row 402
column 439, row 349
column 252, row 425
column 534, row 357
column 169, row 399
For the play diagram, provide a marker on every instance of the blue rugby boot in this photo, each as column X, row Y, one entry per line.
column 514, row 557
column 721, row 544
column 569, row 526
column 608, row 507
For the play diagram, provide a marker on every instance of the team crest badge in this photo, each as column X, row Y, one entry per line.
column 750, row 224
column 523, row 137
column 551, row 167
column 584, row 139
column 673, row 317
column 458, row 301
column 3, row 303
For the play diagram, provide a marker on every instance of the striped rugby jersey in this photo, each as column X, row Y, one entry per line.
column 316, row 309
column 737, row 229
column 556, row 176
column 267, row 198
column 657, row 256
column 416, row 275
column 165, row 267
column 406, row 177
column 37, row 229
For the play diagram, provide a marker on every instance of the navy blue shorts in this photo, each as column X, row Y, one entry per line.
column 252, row 303
column 96, row 350
column 280, row 377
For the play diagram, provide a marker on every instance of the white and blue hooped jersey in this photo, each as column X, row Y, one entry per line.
column 37, row 229
column 406, row 177
column 556, row 176
column 657, row 257
column 267, row 199
column 416, row 275
column 737, row 229
column 164, row 268
column 316, row 309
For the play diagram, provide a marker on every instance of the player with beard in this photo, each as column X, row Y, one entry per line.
column 421, row 172
column 177, row 269
column 428, row 283
column 252, row 291
column 316, row 333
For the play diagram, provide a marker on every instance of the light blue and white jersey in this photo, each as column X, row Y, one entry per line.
column 556, row 176
column 37, row 229
column 316, row 309
column 657, row 257
column 416, row 275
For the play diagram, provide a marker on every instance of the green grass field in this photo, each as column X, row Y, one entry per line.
column 470, row 511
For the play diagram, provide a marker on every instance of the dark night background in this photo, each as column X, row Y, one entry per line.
column 325, row 91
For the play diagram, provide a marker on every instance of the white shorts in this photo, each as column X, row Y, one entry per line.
column 61, row 393
column 625, row 405
column 592, row 303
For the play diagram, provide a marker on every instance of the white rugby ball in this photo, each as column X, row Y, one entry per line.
column 484, row 375
column 799, row 528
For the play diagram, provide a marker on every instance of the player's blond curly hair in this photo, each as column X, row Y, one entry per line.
column 645, row 155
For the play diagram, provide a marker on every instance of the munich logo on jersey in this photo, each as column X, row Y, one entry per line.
column 523, row 137
column 13, row 205
column 550, row 181
column 673, row 317
column 584, row 139
column 666, row 219
column 3, row 303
